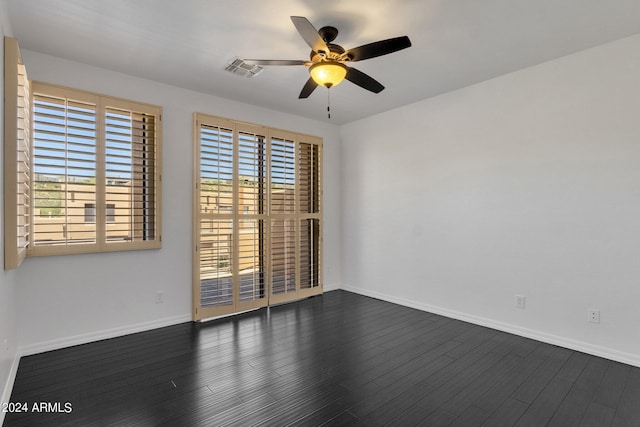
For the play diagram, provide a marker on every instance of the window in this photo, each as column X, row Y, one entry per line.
column 96, row 172
column 82, row 171
column 257, row 216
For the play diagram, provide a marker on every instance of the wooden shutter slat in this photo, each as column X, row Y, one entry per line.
column 65, row 147
column 130, row 171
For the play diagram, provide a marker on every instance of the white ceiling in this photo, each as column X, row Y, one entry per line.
column 187, row 43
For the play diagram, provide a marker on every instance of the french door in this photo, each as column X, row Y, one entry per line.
column 257, row 216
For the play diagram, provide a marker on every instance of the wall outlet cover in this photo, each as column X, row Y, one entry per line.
column 593, row 315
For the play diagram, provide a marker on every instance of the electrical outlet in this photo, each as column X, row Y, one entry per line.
column 593, row 315
column 521, row 300
column 159, row 297
column 5, row 344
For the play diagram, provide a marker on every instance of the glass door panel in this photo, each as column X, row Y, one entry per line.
column 258, row 217
column 216, row 258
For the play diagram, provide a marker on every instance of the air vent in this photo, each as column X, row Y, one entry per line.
column 239, row 67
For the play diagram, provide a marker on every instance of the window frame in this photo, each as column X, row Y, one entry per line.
column 102, row 244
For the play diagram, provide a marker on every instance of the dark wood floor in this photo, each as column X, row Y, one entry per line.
column 337, row 359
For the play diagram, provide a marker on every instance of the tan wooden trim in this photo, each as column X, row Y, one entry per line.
column 12, row 256
column 208, row 312
column 101, row 215
column 89, row 96
column 11, row 58
column 234, row 222
column 267, row 228
column 310, row 292
column 92, row 248
column 158, row 180
column 196, row 312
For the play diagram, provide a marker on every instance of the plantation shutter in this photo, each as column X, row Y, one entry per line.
column 257, row 219
column 130, row 168
column 17, row 156
column 308, row 173
column 64, row 183
column 250, row 210
column 309, row 185
column 215, row 231
column 283, row 230
column 96, row 173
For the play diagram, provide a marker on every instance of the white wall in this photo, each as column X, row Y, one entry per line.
column 8, row 282
column 69, row 299
column 526, row 184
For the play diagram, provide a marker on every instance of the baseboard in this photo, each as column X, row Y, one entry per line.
column 584, row 347
column 116, row 332
column 8, row 387
column 333, row 287
column 101, row 335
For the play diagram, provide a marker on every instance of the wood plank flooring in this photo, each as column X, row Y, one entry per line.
column 338, row 359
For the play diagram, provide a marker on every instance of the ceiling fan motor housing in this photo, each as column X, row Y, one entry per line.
column 328, row 34
column 335, row 52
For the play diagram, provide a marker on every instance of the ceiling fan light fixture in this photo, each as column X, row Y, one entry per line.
column 328, row 73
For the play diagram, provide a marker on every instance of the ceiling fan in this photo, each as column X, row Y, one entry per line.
column 327, row 65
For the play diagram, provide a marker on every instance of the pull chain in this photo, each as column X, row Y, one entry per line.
column 329, row 103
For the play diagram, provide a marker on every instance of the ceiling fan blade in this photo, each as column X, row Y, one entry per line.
column 372, row 50
column 309, row 34
column 363, row 80
column 308, row 88
column 275, row 62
